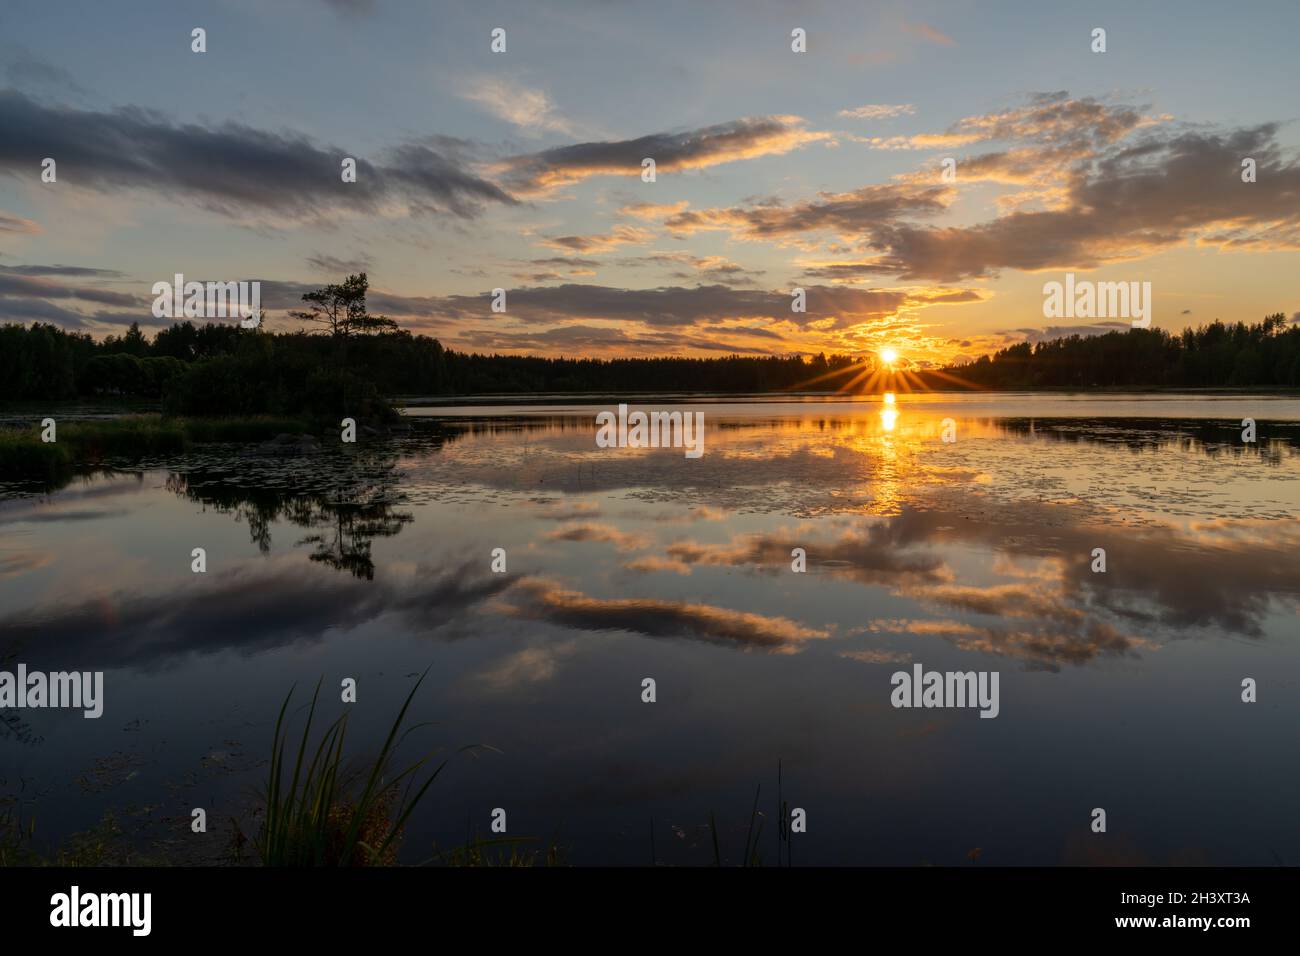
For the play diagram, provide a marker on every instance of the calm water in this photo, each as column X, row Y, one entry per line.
column 1118, row 690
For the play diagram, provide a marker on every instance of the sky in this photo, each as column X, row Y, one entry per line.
column 775, row 170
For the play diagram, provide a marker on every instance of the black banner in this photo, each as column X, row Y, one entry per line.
column 240, row 905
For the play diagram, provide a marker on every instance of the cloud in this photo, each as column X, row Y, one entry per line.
column 600, row 532
column 1048, row 118
column 353, row 8
column 653, row 563
column 26, row 70
column 878, row 657
column 573, row 318
column 579, row 339
column 1133, row 202
column 1063, row 331
column 710, row 268
column 1055, row 611
column 16, row 224
column 927, row 32
column 1047, row 648
column 555, row 268
column 528, row 108
column 532, row 665
column 331, row 265
column 58, row 270
column 650, row 210
column 1041, row 166
column 547, row 600
column 749, row 138
column 254, row 607
column 38, row 310
column 847, row 214
column 879, row 111
column 874, row 556
column 232, row 168
column 571, row 263
column 16, row 565
column 669, row 306
column 1099, row 182
column 595, row 244
column 17, row 285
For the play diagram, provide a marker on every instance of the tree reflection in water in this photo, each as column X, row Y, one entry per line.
column 347, row 502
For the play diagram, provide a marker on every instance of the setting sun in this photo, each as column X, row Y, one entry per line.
column 888, row 356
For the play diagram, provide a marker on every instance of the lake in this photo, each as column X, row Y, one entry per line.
column 1119, row 689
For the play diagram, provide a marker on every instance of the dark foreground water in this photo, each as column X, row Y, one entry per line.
column 1119, row 690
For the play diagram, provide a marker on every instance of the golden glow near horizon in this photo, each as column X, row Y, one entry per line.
column 889, row 398
column 889, row 356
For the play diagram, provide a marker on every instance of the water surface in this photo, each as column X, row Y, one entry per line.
column 1118, row 690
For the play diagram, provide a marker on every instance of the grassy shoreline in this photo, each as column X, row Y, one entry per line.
column 23, row 454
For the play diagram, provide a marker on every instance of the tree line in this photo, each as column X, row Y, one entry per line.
column 352, row 358
column 1218, row 355
column 43, row 361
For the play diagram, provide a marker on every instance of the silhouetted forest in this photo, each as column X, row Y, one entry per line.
column 222, row 369
column 1218, row 355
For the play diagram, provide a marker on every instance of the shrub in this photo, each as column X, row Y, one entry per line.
column 265, row 381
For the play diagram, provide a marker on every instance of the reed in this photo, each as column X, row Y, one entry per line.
column 318, row 814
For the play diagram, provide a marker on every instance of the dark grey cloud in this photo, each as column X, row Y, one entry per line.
column 230, row 168
column 247, row 610
column 1050, row 332
column 29, row 293
column 61, row 270
column 1125, row 201
column 38, row 310
column 338, row 267
column 567, row 262
column 669, row 306
column 538, row 277
column 700, row 308
column 15, row 285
